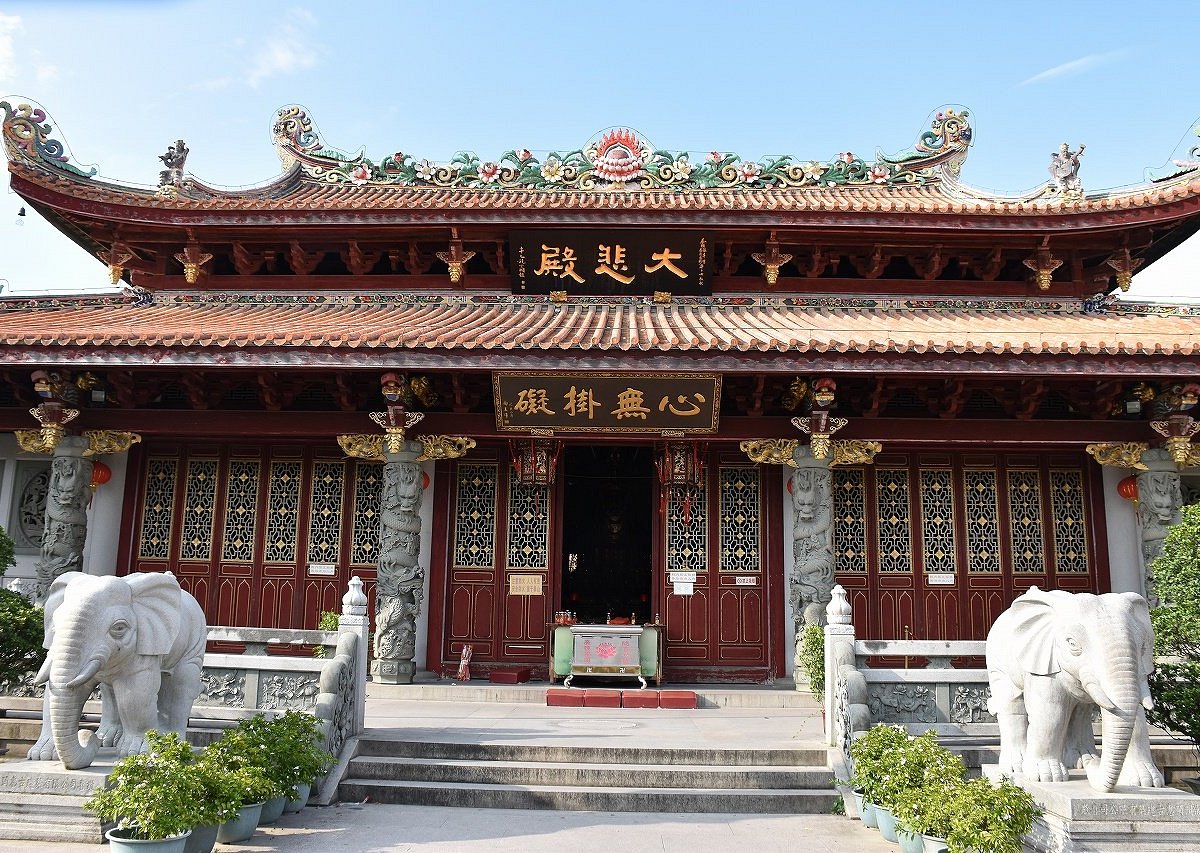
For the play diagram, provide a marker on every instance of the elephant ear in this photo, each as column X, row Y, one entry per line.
column 1032, row 626
column 156, row 600
column 54, row 599
column 1141, row 615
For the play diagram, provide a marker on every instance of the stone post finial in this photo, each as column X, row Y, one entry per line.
column 838, row 611
column 354, row 602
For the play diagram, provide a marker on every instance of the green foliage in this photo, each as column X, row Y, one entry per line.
column 21, row 638
column 1175, row 685
column 873, row 754
column 327, row 622
column 287, row 750
column 987, row 818
column 231, row 776
column 7, row 557
column 839, row 807
column 156, row 794
column 812, row 659
column 921, row 769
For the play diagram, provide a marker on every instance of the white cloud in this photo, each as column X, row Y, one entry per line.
column 286, row 51
column 1076, row 66
column 46, row 73
column 9, row 24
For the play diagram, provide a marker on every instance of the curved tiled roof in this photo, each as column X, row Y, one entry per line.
column 449, row 323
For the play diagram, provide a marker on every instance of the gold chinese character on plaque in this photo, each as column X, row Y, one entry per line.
column 629, row 405
column 610, row 261
column 558, row 262
column 580, row 402
column 666, row 260
column 687, row 407
column 532, row 401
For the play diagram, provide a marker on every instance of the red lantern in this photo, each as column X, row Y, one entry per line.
column 424, row 481
column 101, row 474
column 535, row 460
column 1128, row 488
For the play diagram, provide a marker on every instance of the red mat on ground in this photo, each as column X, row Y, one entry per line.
column 639, row 699
column 602, row 698
column 511, row 675
column 683, row 699
column 559, row 697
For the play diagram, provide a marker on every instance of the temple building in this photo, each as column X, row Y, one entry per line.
column 614, row 384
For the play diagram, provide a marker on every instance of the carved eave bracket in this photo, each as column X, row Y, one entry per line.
column 820, row 427
column 193, row 258
column 1178, row 430
column 1124, row 265
column 1125, row 454
column 855, row 452
column 1043, row 264
column 102, row 441
column 771, row 260
column 771, row 451
column 53, row 420
column 362, row 445
column 393, row 437
column 444, row 446
column 456, row 258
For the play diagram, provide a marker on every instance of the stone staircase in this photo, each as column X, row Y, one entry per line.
column 589, row 778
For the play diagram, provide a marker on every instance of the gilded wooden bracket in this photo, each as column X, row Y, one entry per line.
column 1125, row 454
column 53, row 428
column 771, row 260
column 771, row 451
column 1178, row 431
column 101, row 441
column 1043, row 264
column 393, row 438
column 855, row 452
column 362, row 445
column 820, row 442
column 1124, row 266
column 444, row 446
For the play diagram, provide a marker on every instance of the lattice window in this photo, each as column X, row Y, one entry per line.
column 283, row 512
column 325, row 513
column 894, row 534
column 740, row 510
column 368, row 497
column 241, row 503
column 687, row 531
column 1070, row 522
column 200, row 501
column 475, row 518
column 158, row 513
column 849, row 520
column 983, row 520
column 528, row 526
column 1025, row 521
column 938, row 546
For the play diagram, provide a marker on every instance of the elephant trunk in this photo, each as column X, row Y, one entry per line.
column 67, row 695
column 1118, row 717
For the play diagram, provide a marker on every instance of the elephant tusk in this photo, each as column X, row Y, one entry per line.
column 44, row 673
column 1148, row 703
column 1099, row 696
column 89, row 669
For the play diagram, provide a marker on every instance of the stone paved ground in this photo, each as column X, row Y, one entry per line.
column 399, row 829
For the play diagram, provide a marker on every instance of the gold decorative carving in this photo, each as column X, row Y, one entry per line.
column 1125, row 454
column 662, row 297
column 456, row 259
column 393, row 439
column 855, row 452
column 444, row 446
column 362, row 445
column 771, row 451
column 771, row 260
column 1124, row 266
column 193, row 258
column 54, row 421
column 558, row 296
column 1178, row 431
column 101, row 441
column 820, row 427
column 1043, row 265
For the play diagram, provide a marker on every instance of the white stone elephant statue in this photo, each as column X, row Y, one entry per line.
column 1052, row 658
column 141, row 638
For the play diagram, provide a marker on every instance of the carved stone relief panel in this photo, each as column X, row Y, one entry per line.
column 968, row 704
column 28, row 517
column 902, row 703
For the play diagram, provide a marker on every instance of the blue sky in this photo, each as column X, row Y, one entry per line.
column 122, row 80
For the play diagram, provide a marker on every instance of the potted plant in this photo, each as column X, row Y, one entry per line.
column 987, row 818
column 812, row 660
column 917, row 789
column 1175, row 683
column 236, row 761
column 873, row 752
column 154, row 798
column 222, row 800
column 297, row 745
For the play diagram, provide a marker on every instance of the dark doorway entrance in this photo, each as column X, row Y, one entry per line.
column 608, row 514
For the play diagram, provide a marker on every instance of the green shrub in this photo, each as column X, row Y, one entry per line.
column 922, row 766
column 21, row 638
column 287, row 750
column 812, row 659
column 8, row 558
column 327, row 622
column 156, row 794
column 1175, row 685
column 987, row 818
column 873, row 753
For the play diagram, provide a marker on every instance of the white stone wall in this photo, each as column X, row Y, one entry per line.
column 1126, row 572
column 426, row 514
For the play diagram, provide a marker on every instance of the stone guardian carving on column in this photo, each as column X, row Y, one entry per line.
column 66, row 513
column 1160, row 499
column 401, row 580
column 811, row 583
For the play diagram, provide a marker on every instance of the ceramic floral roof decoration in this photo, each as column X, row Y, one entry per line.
column 621, row 159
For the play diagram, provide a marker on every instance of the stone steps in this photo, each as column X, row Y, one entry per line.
column 589, row 778
column 707, row 696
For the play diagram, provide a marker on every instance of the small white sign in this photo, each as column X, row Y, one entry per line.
column 683, row 577
column 745, row 580
column 322, row 570
column 683, row 588
column 940, row 579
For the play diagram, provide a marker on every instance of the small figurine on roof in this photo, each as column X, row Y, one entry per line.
column 174, row 159
column 1064, row 171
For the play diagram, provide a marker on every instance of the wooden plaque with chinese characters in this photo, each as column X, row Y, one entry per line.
column 608, row 402
column 622, row 263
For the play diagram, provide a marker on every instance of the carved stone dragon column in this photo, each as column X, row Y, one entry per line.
column 66, row 513
column 811, row 583
column 1160, row 499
